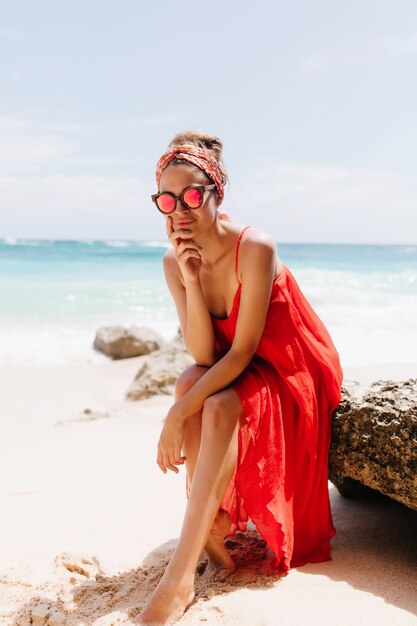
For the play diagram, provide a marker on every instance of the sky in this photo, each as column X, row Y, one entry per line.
column 315, row 103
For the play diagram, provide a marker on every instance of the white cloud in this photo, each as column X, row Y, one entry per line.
column 59, row 195
column 22, row 153
column 41, row 196
column 334, row 187
column 313, row 203
column 78, row 207
column 70, row 127
column 27, row 147
column 292, row 202
column 10, row 123
column 318, row 62
column 96, row 161
column 153, row 120
column 400, row 46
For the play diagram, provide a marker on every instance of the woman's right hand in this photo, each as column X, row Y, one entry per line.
column 186, row 252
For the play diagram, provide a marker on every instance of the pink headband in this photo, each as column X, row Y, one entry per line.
column 200, row 157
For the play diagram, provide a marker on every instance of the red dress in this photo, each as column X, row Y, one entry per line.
column 288, row 392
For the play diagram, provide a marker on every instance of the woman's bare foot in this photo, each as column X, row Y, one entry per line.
column 167, row 603
column 221, row 564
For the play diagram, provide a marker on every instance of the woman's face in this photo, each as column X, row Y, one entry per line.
column 175, row 178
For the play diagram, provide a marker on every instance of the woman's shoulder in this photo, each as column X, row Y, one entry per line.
column 169, row 254
column 255, row 237
column 257, row 243
column 171, row 267
column 169, row 259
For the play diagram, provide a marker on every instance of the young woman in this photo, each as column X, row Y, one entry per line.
column 252, row 416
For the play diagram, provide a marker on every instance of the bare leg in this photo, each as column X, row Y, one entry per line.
column 221, row 564
column 214, row 468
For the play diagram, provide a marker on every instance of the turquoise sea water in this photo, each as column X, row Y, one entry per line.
column 55, row 294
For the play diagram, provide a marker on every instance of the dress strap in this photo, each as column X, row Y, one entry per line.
column 237, row 249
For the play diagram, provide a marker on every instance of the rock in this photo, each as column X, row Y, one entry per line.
column 122, row 343
column 160, row 371
column 76, row 563
column 86, row 415
column 57, row 618
column 374, row 441
column 40, row 614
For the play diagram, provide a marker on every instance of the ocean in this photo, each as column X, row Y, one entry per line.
column 54, row 295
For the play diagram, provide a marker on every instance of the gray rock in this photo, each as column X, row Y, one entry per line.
column 57, row 618
column 40, row 614
column 374, row 441
column 160, row 371
column 123, row 343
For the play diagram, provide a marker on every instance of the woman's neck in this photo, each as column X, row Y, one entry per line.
column 214, row 243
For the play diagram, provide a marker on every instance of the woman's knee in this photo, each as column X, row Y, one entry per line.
column 188, row 378
column 221, row 410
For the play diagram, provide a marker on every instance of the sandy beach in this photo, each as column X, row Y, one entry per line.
column 89, row 521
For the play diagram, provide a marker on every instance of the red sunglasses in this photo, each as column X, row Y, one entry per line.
column 191, row 197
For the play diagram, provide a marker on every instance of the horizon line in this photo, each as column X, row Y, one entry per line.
column 11, row 239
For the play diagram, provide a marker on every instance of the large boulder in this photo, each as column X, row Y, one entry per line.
column 374, row 441
column 118, row 342
column 160, row 370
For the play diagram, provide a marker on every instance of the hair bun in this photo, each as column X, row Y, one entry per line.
column 203, row 140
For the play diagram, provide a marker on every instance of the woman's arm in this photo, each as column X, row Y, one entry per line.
column 193, row 314
column 257, row 262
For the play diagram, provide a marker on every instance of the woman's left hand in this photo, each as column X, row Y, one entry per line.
column 170, row 441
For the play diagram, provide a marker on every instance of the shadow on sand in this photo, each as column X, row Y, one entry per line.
column 374, row 550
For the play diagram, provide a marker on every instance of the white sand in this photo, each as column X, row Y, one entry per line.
column 88, row 520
